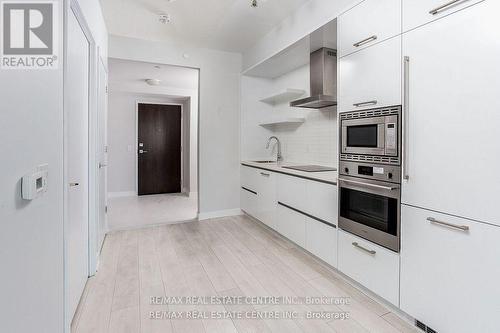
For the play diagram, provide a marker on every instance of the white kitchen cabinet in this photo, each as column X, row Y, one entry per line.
column 266, row 197
column 321, row 240
column 369, row 22
column 419, row 12
column 292, row 191
column 450, row 277
column 454, row 113
column 248, row 201
column 372, row 77
column 373, row 266
column 249, row 178
column 291, row 224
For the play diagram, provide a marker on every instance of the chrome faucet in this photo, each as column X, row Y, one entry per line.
column 279, row 157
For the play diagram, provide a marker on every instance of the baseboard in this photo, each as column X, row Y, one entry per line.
column 122, row 194
column 220, row 213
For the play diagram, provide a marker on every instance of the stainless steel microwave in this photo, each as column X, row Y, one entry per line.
column 371, row 132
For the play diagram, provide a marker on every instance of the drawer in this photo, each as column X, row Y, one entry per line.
column 372, row 77
column 450, row 263
column 419, row 12
column 368, row 23
column 322, row 201
column 292, row 191
column 373, row 266
column 248, row 201
column 291, row 224
column 321, row 240
column 249, row 178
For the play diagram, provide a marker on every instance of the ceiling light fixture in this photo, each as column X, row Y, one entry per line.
column 164, row 18
column 153, row 82
column 254, row 4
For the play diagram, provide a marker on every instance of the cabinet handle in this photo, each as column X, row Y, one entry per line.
column 73, row 184
column 444, row 7
column 365, row 103
column 265, row 174
column 406, row 115
column 363, row 184
column 365, row 41
column 372, row 252
column 446, row 224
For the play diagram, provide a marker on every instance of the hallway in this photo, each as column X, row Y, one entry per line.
column 221, row 257
column 137, row 212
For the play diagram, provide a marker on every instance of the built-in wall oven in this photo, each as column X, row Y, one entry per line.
column 370, row 175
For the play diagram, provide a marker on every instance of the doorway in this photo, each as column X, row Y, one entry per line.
column 159, row 158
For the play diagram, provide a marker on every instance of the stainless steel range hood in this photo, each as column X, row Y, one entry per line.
column 323, row 81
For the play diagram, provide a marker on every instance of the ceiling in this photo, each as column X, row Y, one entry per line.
column 134, row 72
column 229, row 25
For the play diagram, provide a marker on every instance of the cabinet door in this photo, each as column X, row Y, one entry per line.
column 372, row 77
column 419, row 12
column 453, row 114
column 323, row 201
column 292, row 191
column 266, row 199
column 321, row 240
column 291, row 224
column 368, row 23
column 249, row 178
column 449, row 277
column 248, row 201
column 375, row 267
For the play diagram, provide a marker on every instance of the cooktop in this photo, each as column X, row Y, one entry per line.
column 310, row 168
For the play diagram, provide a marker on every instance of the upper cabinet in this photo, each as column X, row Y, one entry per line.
column 419, row 12
column 368, row 23
column 371, row 78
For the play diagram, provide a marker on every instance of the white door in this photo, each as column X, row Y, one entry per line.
column 453, row 114
column 102, row 155
column 77, row 233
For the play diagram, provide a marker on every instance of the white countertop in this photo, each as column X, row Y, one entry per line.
column 322, row 176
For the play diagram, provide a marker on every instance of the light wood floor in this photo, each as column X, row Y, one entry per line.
column 234, row 256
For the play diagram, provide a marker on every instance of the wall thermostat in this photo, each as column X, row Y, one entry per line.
column 35, row 184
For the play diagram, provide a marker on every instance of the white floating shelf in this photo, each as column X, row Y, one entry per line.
column 286, row 95
column 282, row 121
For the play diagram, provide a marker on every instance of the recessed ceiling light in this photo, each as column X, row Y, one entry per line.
column 164, row 18
column 153, row 82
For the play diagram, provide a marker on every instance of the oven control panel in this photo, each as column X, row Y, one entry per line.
column 388, row 173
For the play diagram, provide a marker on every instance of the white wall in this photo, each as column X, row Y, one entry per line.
column 31, row 237
column 306, row 19
column 312, row 142
column 122, row 131
column 218, row 113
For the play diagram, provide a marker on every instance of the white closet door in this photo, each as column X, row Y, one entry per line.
column 454, row 114
column 103, row 154
column 77, row 234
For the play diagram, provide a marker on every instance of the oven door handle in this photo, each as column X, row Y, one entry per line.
column 381, row 187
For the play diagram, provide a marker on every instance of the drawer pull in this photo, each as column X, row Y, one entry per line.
column 444, row 7
column 372, row 252
column 446, row 224
column 365, row 41
column 265, row 174
column 365, row 103
column 248, row 190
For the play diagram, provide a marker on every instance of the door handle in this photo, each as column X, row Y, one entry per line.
column 365, row 103
column 365, row 41
column 141, row 151
column 387, row 188
column 73, row 184
column 406, row 116
column 450, row 225
column 102, row 165
column 372, row 252
column 265, row 174
column 444, row 7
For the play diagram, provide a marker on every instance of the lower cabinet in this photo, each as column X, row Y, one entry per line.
column 373, row 266
column 321, row 240
column 291, row 224
column 248, row 199
column 450, row 271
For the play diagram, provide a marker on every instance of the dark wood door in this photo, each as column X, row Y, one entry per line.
column 159, row 164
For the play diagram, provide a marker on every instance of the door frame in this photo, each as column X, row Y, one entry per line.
column 183, row 143
column 73, row 8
